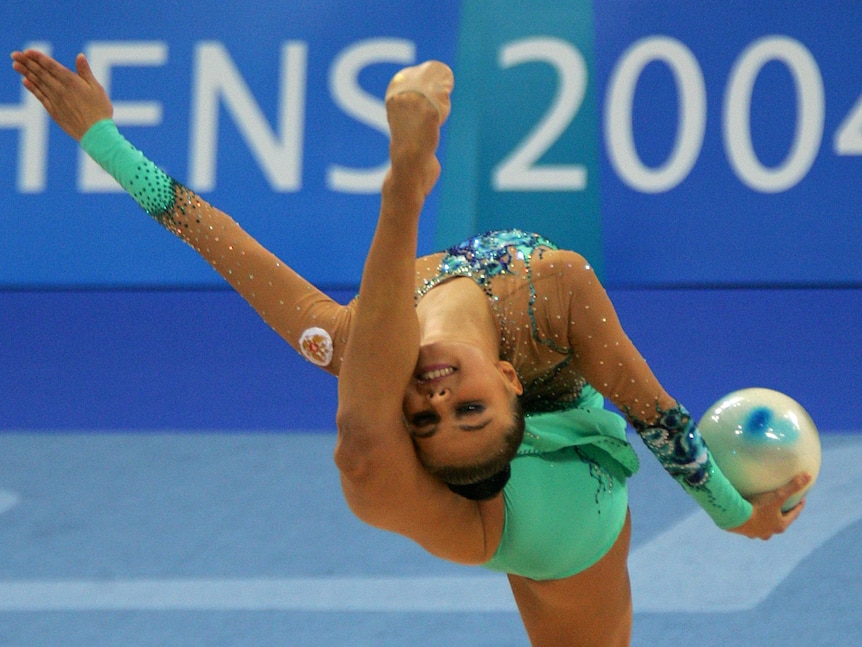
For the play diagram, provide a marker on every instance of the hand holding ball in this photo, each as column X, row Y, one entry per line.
column 761, row 439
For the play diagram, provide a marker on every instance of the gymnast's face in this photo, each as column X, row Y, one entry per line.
column 458, row 406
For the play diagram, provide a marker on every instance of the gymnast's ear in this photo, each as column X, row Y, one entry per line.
column 510, row 375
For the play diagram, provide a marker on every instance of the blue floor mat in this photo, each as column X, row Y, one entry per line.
column 243, row 539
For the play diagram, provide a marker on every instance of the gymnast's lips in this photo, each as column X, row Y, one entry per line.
column 435, row 373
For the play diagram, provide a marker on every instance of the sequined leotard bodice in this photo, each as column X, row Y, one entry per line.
column 557, row 326
column 512, row 267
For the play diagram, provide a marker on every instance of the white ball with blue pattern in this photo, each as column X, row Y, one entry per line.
column 761, row 439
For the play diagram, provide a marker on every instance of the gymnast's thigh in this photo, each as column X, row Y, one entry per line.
column 590, row 609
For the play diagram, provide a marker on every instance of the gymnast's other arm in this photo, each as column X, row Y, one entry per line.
column 611, row 363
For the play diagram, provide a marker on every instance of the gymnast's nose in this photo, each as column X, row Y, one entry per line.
column 438, row 393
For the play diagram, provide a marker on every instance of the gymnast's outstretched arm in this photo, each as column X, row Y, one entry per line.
column 305, row 317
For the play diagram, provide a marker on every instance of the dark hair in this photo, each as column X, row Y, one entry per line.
column 493, row 469
column 485, row 489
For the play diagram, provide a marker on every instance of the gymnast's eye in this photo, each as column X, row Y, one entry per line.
column 470, row 408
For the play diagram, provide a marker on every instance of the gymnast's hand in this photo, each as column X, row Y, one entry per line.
column 74, row 101
column 767, row 519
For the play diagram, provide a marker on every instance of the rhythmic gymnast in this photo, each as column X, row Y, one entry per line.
column 471, row 381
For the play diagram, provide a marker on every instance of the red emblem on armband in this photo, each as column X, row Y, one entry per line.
column 316, row 346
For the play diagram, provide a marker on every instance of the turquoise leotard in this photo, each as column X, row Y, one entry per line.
column 566, row 501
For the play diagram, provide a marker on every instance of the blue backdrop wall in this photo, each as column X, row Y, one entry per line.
column 706, row 158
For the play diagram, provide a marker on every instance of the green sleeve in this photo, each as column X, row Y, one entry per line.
column 676, row 441
column 151, row 188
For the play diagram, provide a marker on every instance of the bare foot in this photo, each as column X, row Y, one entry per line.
column 417, row 104
column 433, row 80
